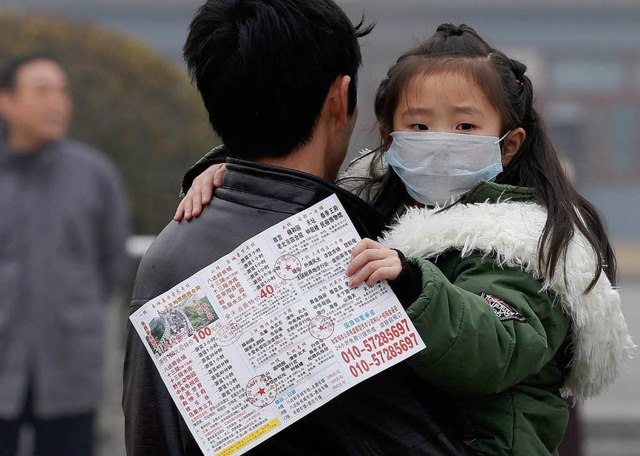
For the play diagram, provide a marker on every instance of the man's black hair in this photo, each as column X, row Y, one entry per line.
column 264, row 68
column 8, row 76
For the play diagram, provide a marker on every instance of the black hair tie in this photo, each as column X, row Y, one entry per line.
column 449, row 30
column 519, row 69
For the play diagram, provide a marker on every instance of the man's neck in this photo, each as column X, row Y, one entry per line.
column 23, row 144
column 309, row 159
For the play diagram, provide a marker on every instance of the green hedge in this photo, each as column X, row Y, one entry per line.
column 130, row 102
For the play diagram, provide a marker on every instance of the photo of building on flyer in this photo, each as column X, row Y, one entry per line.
column 179, row 322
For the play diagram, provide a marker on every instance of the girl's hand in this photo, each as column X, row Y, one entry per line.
column 372, row 262
column 200, row 193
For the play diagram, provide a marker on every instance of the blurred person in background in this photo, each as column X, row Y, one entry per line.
column 62, row 252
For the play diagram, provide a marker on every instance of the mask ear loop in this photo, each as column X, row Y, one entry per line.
column 504, row 136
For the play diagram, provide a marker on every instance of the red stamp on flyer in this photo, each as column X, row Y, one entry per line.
column 261, row 391
column 288, row 267
column 321, row 327
column 228, row 334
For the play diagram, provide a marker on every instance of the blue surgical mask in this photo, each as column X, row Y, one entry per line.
column 440, row 167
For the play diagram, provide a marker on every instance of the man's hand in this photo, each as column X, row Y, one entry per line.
column 200, row 193
column 372, row 262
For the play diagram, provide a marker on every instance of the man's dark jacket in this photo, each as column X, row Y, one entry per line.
column 393, row 413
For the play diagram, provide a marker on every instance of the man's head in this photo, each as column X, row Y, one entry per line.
column 34, row 102
column 265, row 68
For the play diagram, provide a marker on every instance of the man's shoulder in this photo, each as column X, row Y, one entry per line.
column 184, row 248
column 156, row 271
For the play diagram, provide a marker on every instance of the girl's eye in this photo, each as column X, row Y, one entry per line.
column 419, row 127
column 464, row 127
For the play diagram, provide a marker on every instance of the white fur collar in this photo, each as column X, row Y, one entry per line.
column 510, row 231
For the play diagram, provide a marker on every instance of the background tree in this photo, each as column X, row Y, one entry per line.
column 130, row 102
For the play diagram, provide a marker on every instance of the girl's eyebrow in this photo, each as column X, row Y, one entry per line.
column 467, row 109
column 460, row 109
column 409, row 112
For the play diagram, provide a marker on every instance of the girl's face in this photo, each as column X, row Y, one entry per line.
column 446, row 102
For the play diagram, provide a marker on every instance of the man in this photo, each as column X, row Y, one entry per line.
column 62, row 234
column 278, row 78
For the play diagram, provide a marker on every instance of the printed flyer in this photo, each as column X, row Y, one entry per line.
column 272, row 331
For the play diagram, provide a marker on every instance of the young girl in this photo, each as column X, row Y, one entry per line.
column 510, row 276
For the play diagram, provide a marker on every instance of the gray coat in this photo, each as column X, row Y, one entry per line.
column 63, row 227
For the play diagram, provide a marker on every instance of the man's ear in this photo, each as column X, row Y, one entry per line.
column 338, row 99
column 511, row 145
column 4, row 102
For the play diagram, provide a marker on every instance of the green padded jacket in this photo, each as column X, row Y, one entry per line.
column 503, row 338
